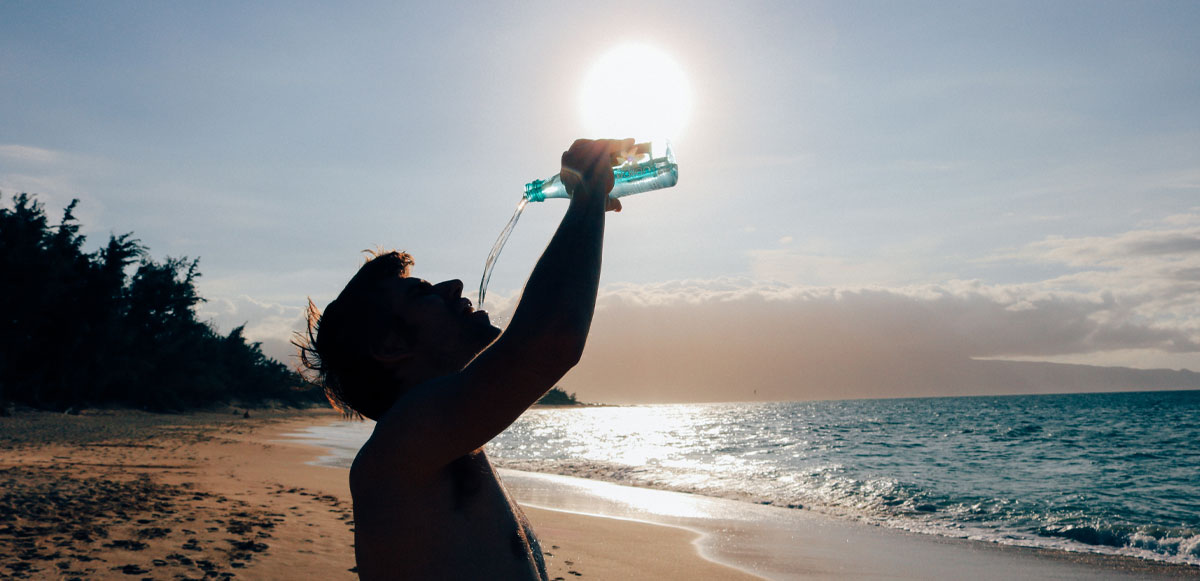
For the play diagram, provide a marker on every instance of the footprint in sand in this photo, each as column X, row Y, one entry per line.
column 131, row 569
column 129, row 545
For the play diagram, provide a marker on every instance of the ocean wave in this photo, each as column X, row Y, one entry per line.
column 1182, row 542
column 894, row 504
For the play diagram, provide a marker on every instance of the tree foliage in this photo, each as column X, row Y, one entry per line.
column 78, row 330
column 558, row 396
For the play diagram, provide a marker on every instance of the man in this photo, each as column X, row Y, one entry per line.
column 441, row 381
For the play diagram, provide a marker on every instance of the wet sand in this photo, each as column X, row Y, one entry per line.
column 121, row 495
column 783, row 543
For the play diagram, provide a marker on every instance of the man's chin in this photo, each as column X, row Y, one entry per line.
column 481, row 329
column 486, row 327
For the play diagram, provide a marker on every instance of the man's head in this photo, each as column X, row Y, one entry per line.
column 387, row 332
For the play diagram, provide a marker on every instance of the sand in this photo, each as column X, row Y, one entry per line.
column 130, row 495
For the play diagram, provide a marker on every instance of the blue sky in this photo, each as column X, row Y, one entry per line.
column 1024, row 157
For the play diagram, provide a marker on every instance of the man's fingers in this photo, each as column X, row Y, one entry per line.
column 590, row 162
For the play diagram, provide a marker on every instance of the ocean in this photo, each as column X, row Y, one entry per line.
column 1113, row 473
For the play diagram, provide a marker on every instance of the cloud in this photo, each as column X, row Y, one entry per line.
column 729, row 339
column 271, row 324
column 1127, row 298
column 1124, row 250
column 56, row 177
column 28, row 154
column 1188, row 219
column 1151, row 274
column 964, row 318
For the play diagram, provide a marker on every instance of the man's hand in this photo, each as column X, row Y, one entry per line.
column 587, row 169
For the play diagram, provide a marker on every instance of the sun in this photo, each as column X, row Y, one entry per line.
column 638, row 91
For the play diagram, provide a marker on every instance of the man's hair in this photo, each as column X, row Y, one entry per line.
column 335, row 351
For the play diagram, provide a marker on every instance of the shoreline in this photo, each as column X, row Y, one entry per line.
column 609, row 503
column 781, row 543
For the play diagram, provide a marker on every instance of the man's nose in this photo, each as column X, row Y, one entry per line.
column 450, row 289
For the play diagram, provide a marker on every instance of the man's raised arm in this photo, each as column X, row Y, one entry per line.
column 445, row 418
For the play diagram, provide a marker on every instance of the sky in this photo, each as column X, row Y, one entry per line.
column 863, row 185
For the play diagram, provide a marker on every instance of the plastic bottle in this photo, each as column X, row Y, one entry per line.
column 639, row 173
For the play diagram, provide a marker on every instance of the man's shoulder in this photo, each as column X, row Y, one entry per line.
column 379, row 463
column 374, row 462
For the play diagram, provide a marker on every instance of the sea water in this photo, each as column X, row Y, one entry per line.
column 1115, row 473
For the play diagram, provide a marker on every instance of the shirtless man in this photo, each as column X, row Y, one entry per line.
column 441, row 381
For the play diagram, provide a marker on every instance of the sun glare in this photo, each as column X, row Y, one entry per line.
column 638, row 91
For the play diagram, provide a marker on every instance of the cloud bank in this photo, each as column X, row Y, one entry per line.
column 733, row 339
column 737, row 340
column 725, row 339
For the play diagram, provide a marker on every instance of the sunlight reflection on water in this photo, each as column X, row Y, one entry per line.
column 1094, row 472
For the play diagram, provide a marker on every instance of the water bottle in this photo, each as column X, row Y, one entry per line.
column 641, row 172
column 637, row 173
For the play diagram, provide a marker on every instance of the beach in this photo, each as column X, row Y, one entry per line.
column 130, row 495
column 120, row 495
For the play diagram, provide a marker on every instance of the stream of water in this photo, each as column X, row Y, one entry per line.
column 497, row 248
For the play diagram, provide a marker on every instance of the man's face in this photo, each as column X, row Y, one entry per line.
column 441, row 325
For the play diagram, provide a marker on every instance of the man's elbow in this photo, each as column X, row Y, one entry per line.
column 563, row 355
column 547, row 351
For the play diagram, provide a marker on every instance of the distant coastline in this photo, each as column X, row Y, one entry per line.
column 544, row 406
column 558, row 397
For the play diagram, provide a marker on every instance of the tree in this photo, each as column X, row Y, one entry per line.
column 557, row 396
column 78, row 331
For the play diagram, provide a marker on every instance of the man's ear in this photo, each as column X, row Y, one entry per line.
column 392, row 350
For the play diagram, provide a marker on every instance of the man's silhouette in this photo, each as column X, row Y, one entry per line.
column 441, row 381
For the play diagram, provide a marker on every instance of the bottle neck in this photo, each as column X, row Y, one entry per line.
column 539, row 190
column 533, row 191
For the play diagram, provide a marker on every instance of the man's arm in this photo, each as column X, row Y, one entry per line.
column 447, row 417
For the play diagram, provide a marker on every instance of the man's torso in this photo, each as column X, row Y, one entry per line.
column 458, row 523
